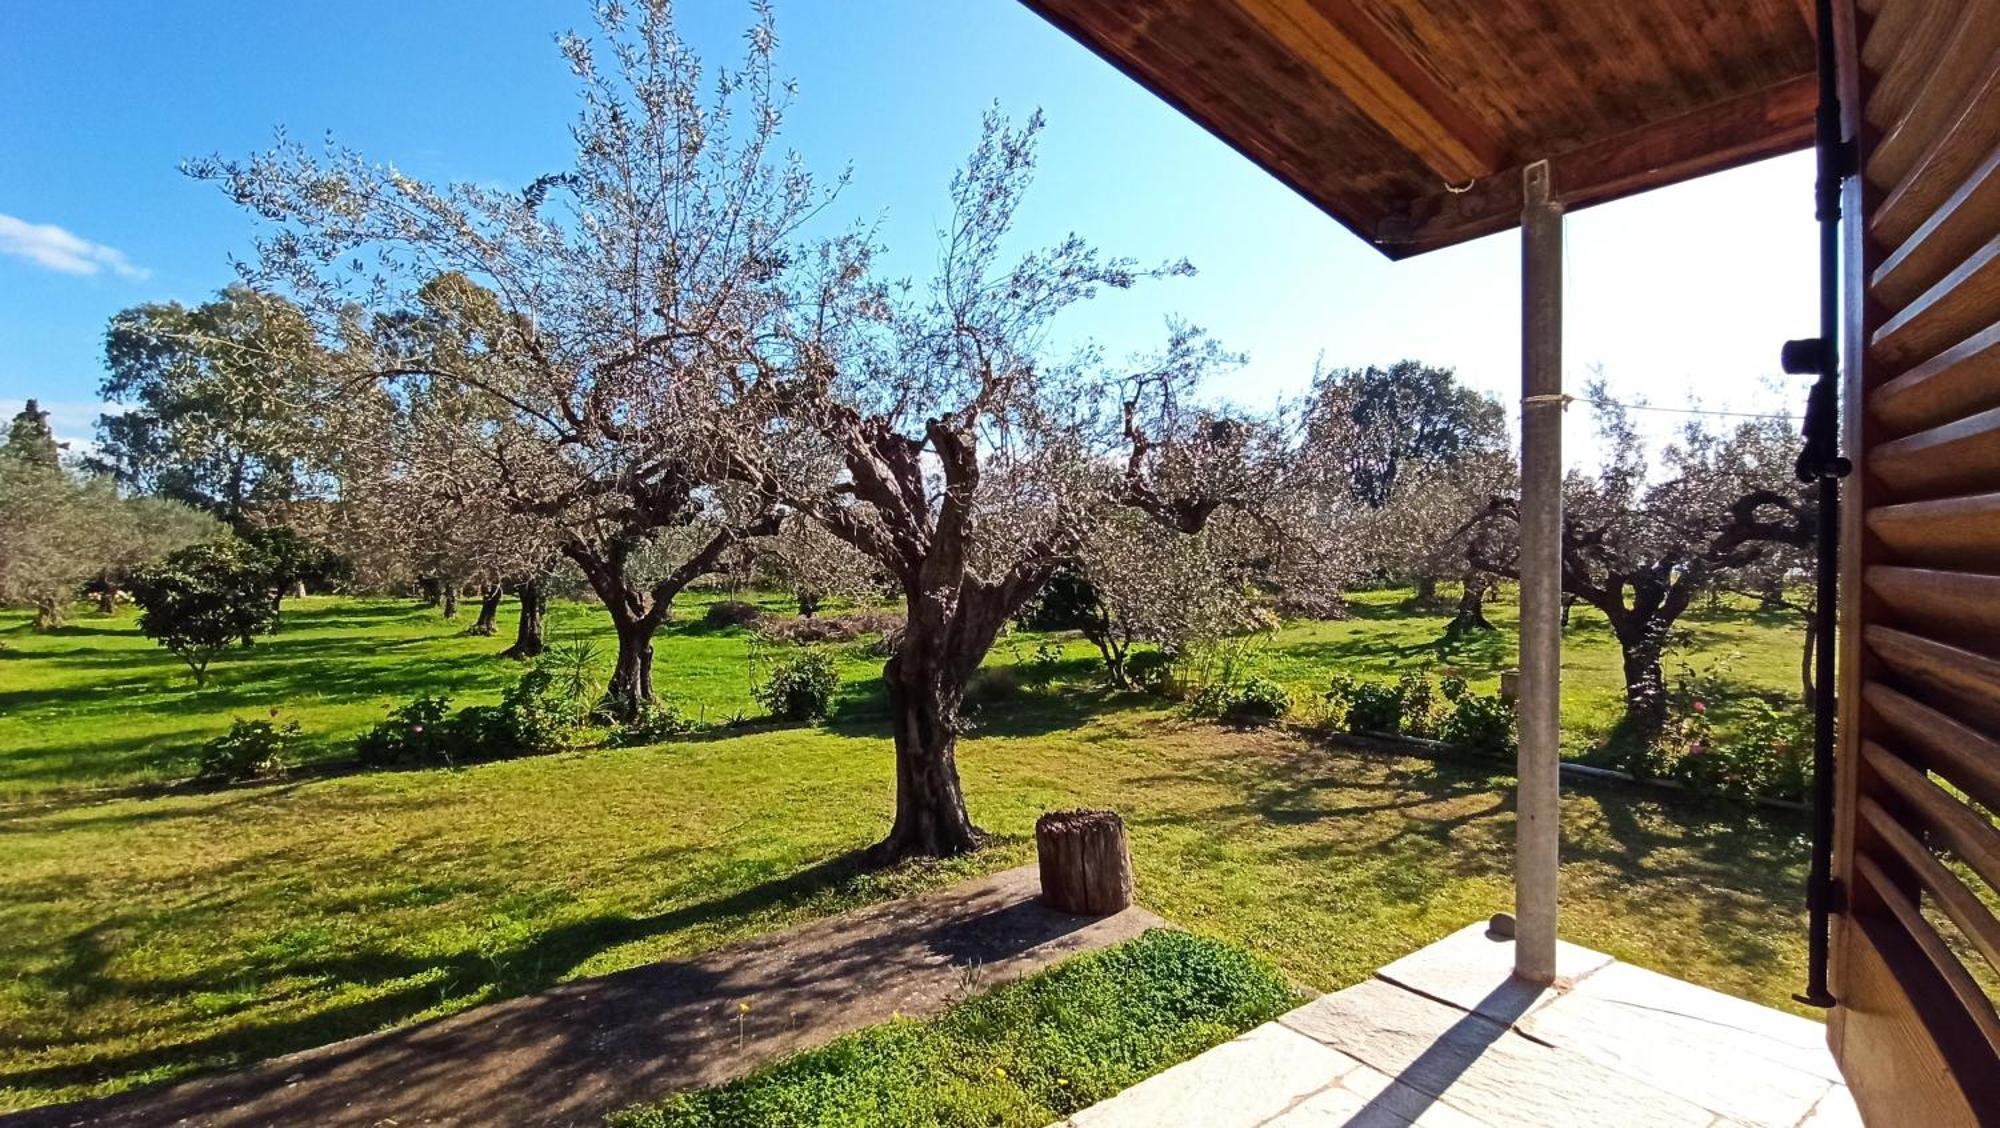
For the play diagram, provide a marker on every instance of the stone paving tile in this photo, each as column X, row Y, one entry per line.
column 1835, row 1110
column 1239, row 1084
column 1724, row 1068
column 1734, row 1025
column 1439, row 1039
column 1369, row 1098
column 1474, row 970
column 1481, row 1067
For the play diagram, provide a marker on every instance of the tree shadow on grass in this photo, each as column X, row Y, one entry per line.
column 400, row 986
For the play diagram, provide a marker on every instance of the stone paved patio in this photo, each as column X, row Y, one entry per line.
column 1445, row 1037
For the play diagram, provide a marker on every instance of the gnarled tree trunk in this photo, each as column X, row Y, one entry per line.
column 1471, row 614
column 489, row 611
column 638, row 612
column 450, row 599
column 528, row 632
column 1642, row 641
column 631, row 686
column 1426, row 595
column 931, row 819
column 946, row 634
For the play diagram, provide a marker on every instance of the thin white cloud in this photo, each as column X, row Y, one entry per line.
column 47, row 245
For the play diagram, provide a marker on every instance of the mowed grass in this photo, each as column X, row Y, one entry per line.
column 97, row 705
column 150, row 936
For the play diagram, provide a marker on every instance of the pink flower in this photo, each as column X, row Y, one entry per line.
column 1695, row 749
column 1700, row 707
column 416, row 728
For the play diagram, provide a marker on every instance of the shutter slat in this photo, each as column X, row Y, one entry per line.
column 1950, row 236
column 1956, row 752
column 1959, row 903
column 1963, row 987
column 1963, row 531
column 1943, row 167
column 1941, row 81
column 1954, row 458
column 1960, row 305
column 1909, row 60
column 1955, row 383
column 1892, row 24
column 1950, row 823
column 1941, row 601
column 1971, row 681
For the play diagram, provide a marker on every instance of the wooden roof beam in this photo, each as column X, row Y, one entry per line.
column 1764, row 123
column 1352, row 52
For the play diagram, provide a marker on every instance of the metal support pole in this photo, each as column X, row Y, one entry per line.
column 1538, row 821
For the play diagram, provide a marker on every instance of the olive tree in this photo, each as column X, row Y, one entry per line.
column 936, row 430
column 62, row 527
column 1641, row 547
column 573, row 313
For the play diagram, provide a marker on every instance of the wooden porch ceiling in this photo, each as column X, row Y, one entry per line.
column 1409, row 120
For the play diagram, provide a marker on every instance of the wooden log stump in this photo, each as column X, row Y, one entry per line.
column 1086, row 866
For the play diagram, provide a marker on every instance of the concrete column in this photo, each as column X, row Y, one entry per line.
column 1539, row 823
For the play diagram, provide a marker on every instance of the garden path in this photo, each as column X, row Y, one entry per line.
column 569, row 1055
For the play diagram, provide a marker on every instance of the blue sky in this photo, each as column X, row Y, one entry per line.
column 1681, row 295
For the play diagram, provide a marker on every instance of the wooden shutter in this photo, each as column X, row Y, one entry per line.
column 1916, row 950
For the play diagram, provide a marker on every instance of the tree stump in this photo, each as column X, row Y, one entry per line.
column 1086, row 867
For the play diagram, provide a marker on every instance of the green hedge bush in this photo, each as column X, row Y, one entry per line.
column 800, row 686
column 1022, row 1056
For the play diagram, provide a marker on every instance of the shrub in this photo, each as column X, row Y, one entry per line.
column 800, row 686
column 1031, row 1052
column 1768, row 755
column 249, row 750
column 1481, row 724
column 1259, row 699
column 1375, row 707
column 1253, row 699
column 1422, row 710
column 1337, row 702
column 542, row 712
column 1047, row 660
column 656, row 722
column 1148, row 669
column 202, row 599
column 732, row 613
column 414, row 734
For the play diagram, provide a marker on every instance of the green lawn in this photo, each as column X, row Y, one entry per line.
column 97, row 705
column 150, row 935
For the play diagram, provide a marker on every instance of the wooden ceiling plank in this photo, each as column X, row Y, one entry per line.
column 1764, row 123
column 1181, row 86
column 1360, row 60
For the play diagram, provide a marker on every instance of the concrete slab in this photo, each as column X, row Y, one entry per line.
column 1239, row 1084
column 1473, row 969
